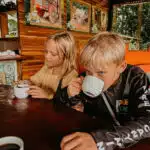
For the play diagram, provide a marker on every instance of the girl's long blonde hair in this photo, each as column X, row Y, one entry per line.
column 65, row 45
column 45, row 78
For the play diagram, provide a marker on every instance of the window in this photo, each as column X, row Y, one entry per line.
column 132, row 21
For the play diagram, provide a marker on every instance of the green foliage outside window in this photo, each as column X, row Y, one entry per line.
column 145, row 29
column 133, row 22
column 127, row 20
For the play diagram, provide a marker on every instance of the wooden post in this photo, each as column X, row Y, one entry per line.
column 4, row 24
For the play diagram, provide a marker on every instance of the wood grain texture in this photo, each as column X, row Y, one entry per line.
column 3, row 24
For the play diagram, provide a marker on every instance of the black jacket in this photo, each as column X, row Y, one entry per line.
column 129, row 99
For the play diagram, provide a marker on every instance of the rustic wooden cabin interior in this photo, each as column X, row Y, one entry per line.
column 29, row 42
column 36, row 122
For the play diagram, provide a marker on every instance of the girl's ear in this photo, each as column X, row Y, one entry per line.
column 123, row 66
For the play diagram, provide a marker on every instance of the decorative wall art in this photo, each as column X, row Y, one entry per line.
column 9, row 70
column 104, row 19
column 46, row 13
column 2, row 78
column 99, row 19
column 78, row 15
column 96, row 19
column 12, row 24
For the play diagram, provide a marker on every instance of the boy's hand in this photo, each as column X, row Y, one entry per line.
column 37, row 92
column 78, row 141
column 78, row 107
column 75, row 86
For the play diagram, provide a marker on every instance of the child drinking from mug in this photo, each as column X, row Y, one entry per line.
column 60, row 64
column 112, row 89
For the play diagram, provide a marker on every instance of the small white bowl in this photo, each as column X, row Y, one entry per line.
column 21, row 92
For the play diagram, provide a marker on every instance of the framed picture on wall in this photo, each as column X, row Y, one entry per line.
column 45, row 13
column 96, row 19
column 78, row 15
column 104, row 19
column 8, row 72
column 2, row 78
column 12, row 24
column 99, row 19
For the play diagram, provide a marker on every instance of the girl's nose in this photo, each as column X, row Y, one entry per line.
column 48, row 56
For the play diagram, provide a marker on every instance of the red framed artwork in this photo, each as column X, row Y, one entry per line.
column 45, row 13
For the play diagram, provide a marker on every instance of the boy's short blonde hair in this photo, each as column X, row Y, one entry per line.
column 65, row 44
column 103, row 49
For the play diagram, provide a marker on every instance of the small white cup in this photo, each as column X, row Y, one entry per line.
column 21, row 92
column 12, row 140
column 92, row 86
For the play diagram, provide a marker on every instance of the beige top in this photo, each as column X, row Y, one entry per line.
column 49, row 82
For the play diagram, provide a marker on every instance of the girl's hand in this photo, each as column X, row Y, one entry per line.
column 37, row 92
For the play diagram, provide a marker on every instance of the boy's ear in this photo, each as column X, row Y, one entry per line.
column 123, row 66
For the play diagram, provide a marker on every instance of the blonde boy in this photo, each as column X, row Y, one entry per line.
column 124, row 101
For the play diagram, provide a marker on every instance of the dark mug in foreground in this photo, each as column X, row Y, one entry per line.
column 11, row 143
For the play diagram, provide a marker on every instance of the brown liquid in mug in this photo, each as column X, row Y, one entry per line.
column 9, row 147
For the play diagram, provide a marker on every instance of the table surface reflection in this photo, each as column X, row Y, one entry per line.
column 41, row 124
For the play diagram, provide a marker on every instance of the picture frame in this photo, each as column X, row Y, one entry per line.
column 104, row 20
column 99, row 19
column 96, row 19
column 9, row 71
column 44, row 13
column 12, row 24
column 2, row 78
column 78, row 16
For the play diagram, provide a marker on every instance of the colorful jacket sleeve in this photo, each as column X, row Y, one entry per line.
column 139, row 125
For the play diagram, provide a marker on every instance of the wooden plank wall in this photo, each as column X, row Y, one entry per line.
column 32, row 40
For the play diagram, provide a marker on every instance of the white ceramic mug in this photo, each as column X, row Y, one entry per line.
column 12, row 140
column 92, row 86
column 21, row 92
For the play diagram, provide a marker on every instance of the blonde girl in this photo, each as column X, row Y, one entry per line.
column 60, row 64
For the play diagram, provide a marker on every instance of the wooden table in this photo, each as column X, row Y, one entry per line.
column 41, row 124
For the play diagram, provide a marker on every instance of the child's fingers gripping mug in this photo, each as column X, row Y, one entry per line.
column 92, row 86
